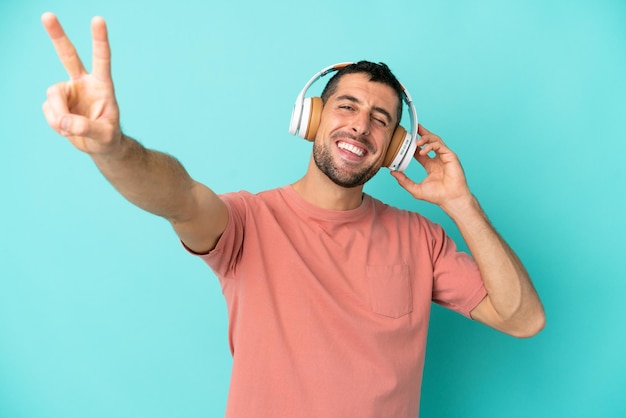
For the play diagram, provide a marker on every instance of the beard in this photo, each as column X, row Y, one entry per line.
column 344, row 178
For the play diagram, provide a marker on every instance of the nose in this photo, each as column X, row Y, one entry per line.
column 361, row 123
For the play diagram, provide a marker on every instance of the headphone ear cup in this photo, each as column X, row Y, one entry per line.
column 394, row 146
column 313, row 118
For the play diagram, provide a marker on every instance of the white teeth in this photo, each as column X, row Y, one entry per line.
column 349, row 147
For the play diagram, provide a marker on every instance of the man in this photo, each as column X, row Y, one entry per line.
column 328, row 289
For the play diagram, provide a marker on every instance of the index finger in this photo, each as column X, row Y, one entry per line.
column 64, row 47
column 422, row 131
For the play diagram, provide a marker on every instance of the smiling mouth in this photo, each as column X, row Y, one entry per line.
column 351, row 148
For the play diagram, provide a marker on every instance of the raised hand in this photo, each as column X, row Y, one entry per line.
column 445, row 182
column 84, row 108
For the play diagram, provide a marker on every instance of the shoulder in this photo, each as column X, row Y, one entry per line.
column 404, row 218
column 383, row 209
column 245, row 201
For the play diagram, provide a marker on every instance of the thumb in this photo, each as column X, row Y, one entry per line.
column 407, row 184
column 76, row 125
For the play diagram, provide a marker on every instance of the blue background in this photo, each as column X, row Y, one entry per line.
column 102, row 314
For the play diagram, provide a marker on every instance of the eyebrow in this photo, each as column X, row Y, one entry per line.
column 375, row 108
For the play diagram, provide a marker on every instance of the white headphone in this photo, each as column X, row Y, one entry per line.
column 307, row 112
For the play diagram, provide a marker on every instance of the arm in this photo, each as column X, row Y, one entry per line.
column 85, row 111
column 512, row 304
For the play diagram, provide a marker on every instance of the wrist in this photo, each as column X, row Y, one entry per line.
column 463, row 207
column 120, row 149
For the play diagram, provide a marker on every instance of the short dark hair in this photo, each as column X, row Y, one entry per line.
column 379, row 73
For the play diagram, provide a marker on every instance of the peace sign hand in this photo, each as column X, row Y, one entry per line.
column 84, row 108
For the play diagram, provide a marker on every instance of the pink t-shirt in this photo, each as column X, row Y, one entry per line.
column 328, row 310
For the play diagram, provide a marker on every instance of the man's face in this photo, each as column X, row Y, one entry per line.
column 355, row 129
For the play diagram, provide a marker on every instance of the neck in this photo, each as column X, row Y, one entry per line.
column 316, row 188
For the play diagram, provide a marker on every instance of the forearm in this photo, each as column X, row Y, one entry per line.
column 512, row 304
column 151, row 180
column 508, row 285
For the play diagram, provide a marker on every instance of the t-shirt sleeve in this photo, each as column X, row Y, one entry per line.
column 457, row 282
column 223, row 258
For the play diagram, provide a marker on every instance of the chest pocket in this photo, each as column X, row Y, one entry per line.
column 390, row 290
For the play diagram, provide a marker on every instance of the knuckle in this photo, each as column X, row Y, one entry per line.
column 80, row 127
column 53, row 90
